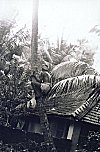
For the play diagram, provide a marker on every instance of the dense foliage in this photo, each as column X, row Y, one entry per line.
column 27, row 146
column 91, row 142
column 14, row 76
column 67, row 60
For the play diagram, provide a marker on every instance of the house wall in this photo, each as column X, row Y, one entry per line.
column 62, row 128
column 58, row 126
column 70, row 131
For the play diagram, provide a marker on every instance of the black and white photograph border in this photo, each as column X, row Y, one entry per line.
column 49, row 76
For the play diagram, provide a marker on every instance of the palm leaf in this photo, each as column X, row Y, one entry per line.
column 70, row 69
column 96, row 29
column 76, row 96
column 74, row 84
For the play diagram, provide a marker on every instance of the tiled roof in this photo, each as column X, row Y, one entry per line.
column 93, row 116
column 78, row 97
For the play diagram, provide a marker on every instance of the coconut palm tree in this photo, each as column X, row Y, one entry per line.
column 40, row 103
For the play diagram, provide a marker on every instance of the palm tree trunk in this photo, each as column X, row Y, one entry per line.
column 48, row 139
column 41, row 107
column 34, row 39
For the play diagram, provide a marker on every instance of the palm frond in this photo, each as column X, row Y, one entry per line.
column 70, row 69
column 77, row 83
column 96, row 29
column 77, row 96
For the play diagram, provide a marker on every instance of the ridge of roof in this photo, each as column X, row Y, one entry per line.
column 87, row 106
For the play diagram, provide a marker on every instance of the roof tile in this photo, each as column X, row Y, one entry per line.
column 76, row 96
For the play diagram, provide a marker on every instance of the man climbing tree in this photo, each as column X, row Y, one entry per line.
column 41, row 84
column 45, row 78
